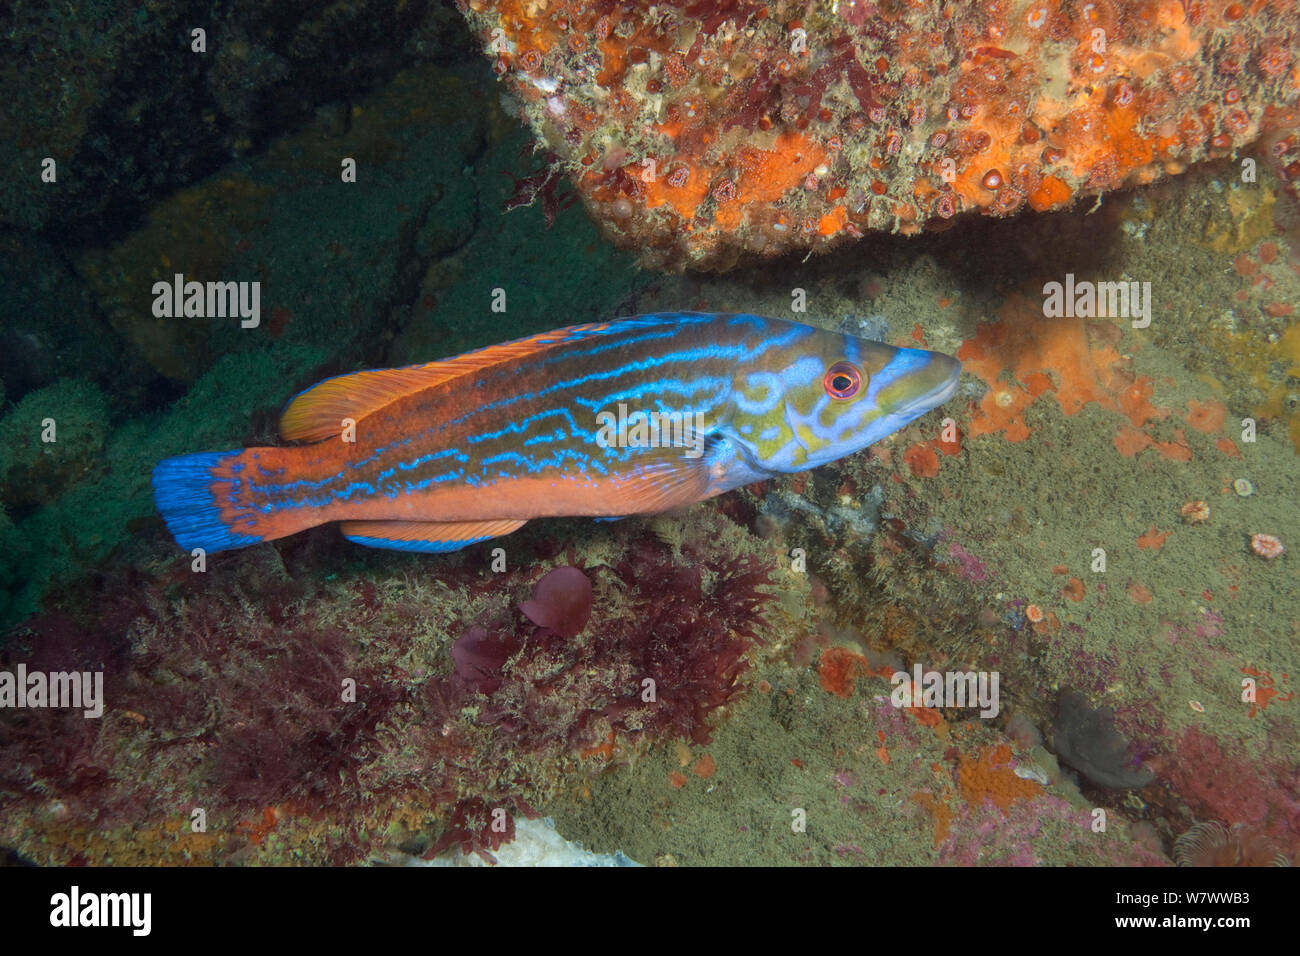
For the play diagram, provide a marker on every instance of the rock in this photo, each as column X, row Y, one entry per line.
column 1086, row 740
column 331, row 257
column 50, row 327
column 129, row 111
column 698, row 131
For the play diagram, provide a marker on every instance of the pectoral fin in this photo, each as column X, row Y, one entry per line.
column 663, row 478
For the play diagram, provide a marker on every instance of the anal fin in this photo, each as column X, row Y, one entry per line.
column 427, row 536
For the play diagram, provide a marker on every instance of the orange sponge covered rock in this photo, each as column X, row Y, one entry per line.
column 700, row 130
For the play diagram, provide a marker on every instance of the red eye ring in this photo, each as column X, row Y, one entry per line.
column 842, row 380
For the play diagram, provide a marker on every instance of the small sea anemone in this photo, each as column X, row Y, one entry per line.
column 1267, row 546
column 1213, row 844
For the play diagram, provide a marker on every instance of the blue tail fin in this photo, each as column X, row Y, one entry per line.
column 187, row 492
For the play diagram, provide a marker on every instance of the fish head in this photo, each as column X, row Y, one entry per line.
column 827, row 394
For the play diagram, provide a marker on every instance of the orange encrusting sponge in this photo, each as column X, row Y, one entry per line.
column 697, row 130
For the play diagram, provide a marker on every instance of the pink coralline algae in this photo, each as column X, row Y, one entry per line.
column 1217, row 782
column 699, row 130
column 972, row 568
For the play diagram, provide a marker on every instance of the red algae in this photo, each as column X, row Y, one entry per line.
column 561, row 601
column 1219, row 782
column 313, row 706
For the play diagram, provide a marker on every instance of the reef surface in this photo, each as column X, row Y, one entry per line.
column 1104, row 516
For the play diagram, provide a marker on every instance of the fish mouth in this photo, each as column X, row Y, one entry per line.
column 945, row 371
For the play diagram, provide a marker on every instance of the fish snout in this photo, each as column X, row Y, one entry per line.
column 935, row 382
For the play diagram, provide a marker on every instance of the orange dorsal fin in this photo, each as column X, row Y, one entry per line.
column 318, row 413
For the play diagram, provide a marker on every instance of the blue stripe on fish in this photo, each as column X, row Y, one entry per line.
column 662, row 325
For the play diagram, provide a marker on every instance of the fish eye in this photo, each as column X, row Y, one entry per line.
column 842, row 380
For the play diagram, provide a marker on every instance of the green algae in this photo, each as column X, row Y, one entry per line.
column 97, row 517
